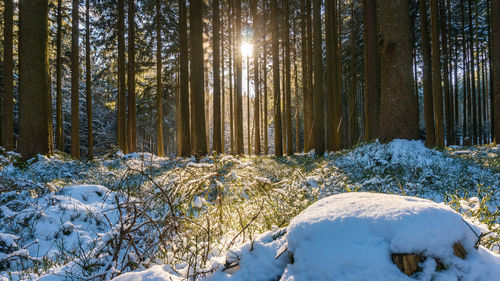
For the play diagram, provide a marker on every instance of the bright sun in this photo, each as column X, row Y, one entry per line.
column 246, row 49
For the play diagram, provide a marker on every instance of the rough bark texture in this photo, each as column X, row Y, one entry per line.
column 159, row 97
column 184, row 130
column 75, row 81
column 88, row 83
column 436, row 75
column 427, row 77
column 278, row 145
column 131, row 121
column 122, row 107
column 318, row 125
column 495, row 39
column 372, row 87
column 8, row 76
column 288, row 80
column 216, row 76
column 309, row 98
column 197, row 78
column 473, row 76
column 35, row 122
column 398, row 103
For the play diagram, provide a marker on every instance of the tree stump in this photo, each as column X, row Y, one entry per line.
column 407, row 263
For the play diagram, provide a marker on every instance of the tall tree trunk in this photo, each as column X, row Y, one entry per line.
column 35, row 122
column 372, row 87
column 122, row 106
column 495, row 55
column 249, row 144
column 427, row 77
column 88, row 84
column 288, row 81
column 465, row 75
column 240, row 148
column 450, row 130
column 436, row 75
column 309, row 98
column 184, row 129
column 472, row 75
column 256, row 51
column 216, row 76
column 296, row 87
column 8, row 78
column 305, row 75
column 231, row 77
column 266, row 137
column 59, row 112
column 159, row 97
column 398, row 103
column 197, row 78
column 75, row 81
column 223, row 85
column 353, row 127
column 278, row 144
column 131, row 122
column 318, row 125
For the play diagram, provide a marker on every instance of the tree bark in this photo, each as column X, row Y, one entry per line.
column 436, row 75
column 185, row 131
column 88, row 84
column 240, row 148
column 122, row 107
column 318, row 125
column 197, row 77
column 427, row 77
column 495, row 55
column 288, row 81
column 372, row 87
column 131, row 122
column 398, row 103
column 278, row 145
column 216, row 76
column 35, row 122
column 59, row 112
column 75, row 81
column 159, row 96
column 256, row 50
column 8, row 77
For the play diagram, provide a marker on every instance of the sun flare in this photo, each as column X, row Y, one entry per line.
column 246, row 49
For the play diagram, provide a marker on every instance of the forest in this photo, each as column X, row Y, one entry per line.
column 225, row 139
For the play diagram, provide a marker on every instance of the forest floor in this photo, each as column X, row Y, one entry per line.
column 181, row 218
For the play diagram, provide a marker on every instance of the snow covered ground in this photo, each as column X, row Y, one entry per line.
column 173, row 218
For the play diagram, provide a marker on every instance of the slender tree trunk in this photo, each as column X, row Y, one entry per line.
column 266, row 137
column 197, row 77
column 318, row 125
column 216, row 76
column 8, row 78
column 465, row 75
column 278, row 144
column 256, row 51
column 287, row 77
column 59, row 112
column 309, row 98
column 398, row 103
column 305, row 75
column 249, row 145
column 296, row 88
column 240, row 148
column 184, row 129
column 223, row 85
column 159, row 97
column 231, row 78
column 372, row 87
column 472, row 75
column 353, row 128
column 122, row 107
column 495, row 55
column 75, row 81
column 88, row 84
column 450, row 131
column 427, row 77
column 35, row 122
column 436, row 75
column 131, row 124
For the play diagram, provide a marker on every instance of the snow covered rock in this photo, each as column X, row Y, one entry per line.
column 353, row 236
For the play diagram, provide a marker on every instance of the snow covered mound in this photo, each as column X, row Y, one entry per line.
column 352, row 236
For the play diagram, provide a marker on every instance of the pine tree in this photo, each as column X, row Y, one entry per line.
column 131, row 121
column 398, row 103
column 75, row 81
column 88, row 84
column 238, row 106
column 196, row 8
column 35, row 122
column 256, row 49
column 318, row 125
column 278, row 143
column 495, row 40
column 371, row 68
column 436, row 75
column 159, row 98
column 8, row 76
column 122, row 107
column 59, row 112
column 184, row 130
